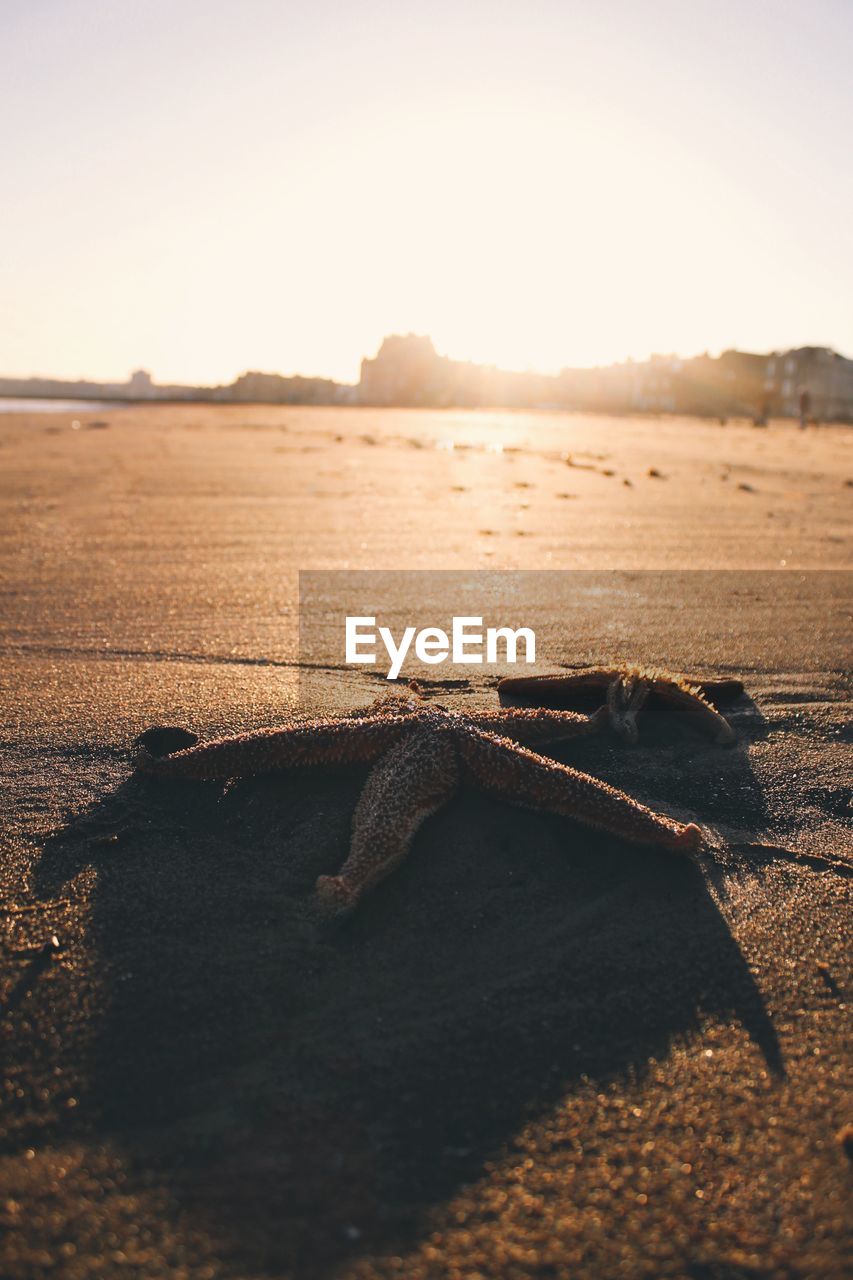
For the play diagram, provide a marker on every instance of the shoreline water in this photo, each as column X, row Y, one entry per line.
column 22, row 405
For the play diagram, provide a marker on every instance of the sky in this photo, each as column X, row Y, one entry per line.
column 200, row 188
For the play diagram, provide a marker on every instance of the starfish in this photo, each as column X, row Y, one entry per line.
column 626, row 691
column 420, row 753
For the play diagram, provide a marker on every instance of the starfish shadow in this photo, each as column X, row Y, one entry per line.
column 306, row 1095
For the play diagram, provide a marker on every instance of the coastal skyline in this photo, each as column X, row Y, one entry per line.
column 138, row 376
column 407, row 371
column 203, row 191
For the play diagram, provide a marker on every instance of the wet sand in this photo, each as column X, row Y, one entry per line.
column 535, row 1051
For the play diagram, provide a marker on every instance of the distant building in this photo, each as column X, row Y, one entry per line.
column 405, row 371
column 273, row 388
column 731, row 384
column 654, row 384
column 139, row 385
column 824, row 374
column 408, row 371
column 736, row 383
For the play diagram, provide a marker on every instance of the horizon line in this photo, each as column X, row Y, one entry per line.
column 320, row 377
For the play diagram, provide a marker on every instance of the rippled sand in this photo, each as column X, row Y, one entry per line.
column 536, row 1051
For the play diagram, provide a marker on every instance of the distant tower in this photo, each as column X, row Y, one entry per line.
column 403, row 372
column 139, row 384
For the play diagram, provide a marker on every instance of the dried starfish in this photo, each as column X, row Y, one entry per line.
column 626, row 691
column 421, row 753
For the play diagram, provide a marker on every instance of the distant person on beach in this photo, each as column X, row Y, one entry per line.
column 805, row 405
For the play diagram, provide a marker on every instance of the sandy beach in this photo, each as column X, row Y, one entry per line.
column 535, row 1051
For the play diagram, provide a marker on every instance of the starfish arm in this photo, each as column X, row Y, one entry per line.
column 414, row 779
column 533, row 725
column 688, row 698
column 311, row 742
column 564, row 690
column 630, row 686
column 531, row 780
